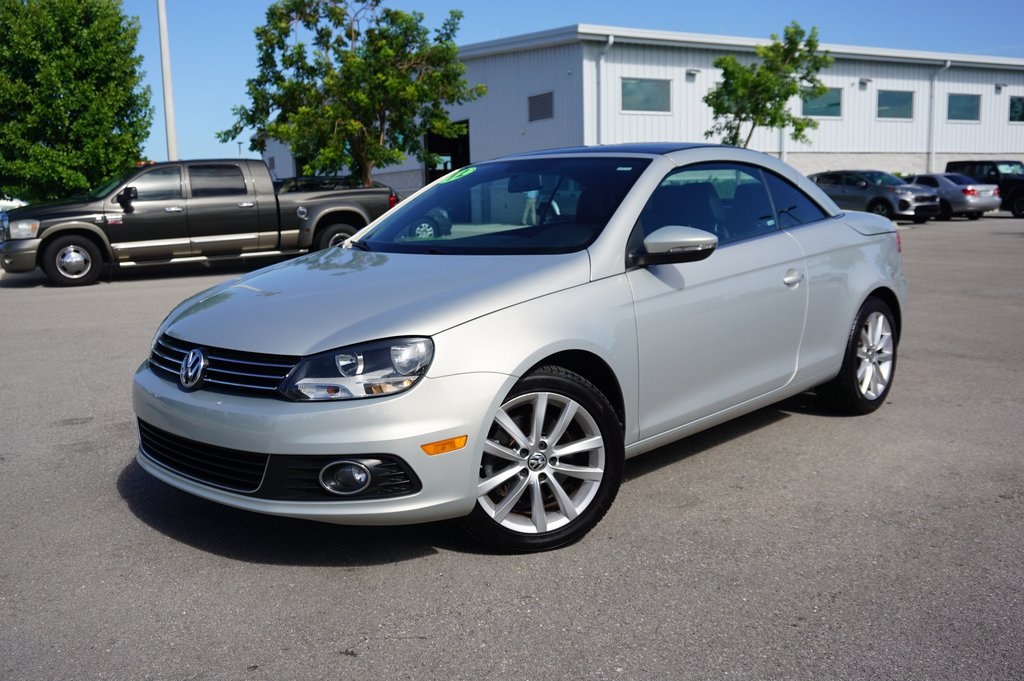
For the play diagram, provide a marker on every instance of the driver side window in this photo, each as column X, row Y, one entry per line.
column 726, row 199
column 159, row 184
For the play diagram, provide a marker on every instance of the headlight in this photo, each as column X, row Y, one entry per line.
column 369, row 370
column 24, row 229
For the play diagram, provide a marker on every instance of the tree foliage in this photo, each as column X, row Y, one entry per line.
column 352, row 85
column 758, row 94
column 73, row 109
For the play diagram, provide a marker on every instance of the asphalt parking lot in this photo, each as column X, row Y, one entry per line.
column 790, row 544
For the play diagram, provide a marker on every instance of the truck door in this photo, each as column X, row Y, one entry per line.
column 223, row 214
column 153, row 226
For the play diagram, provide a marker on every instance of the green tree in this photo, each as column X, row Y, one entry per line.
column 74, row 110
column 352, row 85
column 758, row 94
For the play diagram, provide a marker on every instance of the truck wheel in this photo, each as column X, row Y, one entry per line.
column 334, row 235
column 72, row 260
column 1017, row 205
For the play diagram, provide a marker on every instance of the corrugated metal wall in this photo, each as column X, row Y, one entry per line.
column 498, row 122
column 587, row 81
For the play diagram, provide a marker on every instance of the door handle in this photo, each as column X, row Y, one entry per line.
column 173, row 209
column 793, row 278
column 246, row 204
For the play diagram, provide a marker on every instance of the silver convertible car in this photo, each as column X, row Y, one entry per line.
column 581, row 307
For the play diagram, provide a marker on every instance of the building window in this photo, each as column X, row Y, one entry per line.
column 964, row 108
column 829, row 104
column 895, row 104
column 645, row 94
column 541, row 106
column 1017, row 109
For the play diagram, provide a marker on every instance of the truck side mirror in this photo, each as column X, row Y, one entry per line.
column 126, row 196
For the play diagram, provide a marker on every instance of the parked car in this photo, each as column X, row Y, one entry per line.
column 502, row 373
column 878, row 192
column 1008, row 175
column 959, row 194
column 10, row 203
column 181, row 211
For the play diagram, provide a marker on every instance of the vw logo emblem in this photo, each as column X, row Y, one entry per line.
column 537, row 461
column 192, row 369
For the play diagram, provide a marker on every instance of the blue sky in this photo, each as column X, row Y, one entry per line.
column 213, row 50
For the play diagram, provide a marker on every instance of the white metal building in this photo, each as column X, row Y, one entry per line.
column 895, row 110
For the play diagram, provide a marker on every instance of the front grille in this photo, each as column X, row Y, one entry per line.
column 246, row 373
column 227, row 468
column 271, row 476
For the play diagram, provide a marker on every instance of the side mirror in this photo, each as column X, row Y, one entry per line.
column 126, row 196
column 674, row 244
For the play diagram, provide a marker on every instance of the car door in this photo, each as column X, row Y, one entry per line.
column 857, row 192
column 725, row 330
column 153, row 226
column 223, row 215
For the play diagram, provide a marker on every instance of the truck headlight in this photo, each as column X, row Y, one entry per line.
column 24, row 229
column 372, row 369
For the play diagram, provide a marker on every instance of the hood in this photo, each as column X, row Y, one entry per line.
column 62, row 208
column 336, row 297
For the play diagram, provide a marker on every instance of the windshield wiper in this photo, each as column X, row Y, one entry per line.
column 360, row 245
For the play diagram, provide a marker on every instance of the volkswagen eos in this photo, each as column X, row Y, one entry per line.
column 581, row 306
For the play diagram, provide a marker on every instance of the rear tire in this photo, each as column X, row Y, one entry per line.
column 869, row 363
column 72, row 260
column 974, row 216
column 1017, row 205
column 334, row 235
column 551, row 466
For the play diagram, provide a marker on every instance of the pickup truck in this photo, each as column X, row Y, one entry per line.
column 1009, row 175
column 181, row 211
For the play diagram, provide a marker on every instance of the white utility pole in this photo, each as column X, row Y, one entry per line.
column 165, row 66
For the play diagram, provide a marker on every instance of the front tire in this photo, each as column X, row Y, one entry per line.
column 551, row 466
column 881, row 208
column 945, row 210
column 869, row 363
column 72, row 260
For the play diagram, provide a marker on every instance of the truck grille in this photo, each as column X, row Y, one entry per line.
column 245, row 373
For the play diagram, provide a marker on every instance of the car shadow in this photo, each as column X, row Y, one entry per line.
column 806, row 404
column 255, row 538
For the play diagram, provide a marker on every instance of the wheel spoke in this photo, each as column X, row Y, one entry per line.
column 540, row 408
column 496, row 480
column 509, row 426
column 586, row 444
column 501, row 451
column 502, row 510
column 593, row 474
column 566, row 417
column 564, row 502
column 539, row 515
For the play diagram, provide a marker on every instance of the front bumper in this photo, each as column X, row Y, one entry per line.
column 398, row 426
column 19, row 255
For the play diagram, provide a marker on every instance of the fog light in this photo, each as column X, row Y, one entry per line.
column 345, row 477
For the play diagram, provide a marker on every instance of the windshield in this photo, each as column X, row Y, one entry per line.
column 518, row 206
column 880, row 179
column 1011, row 167
column 109, row 185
